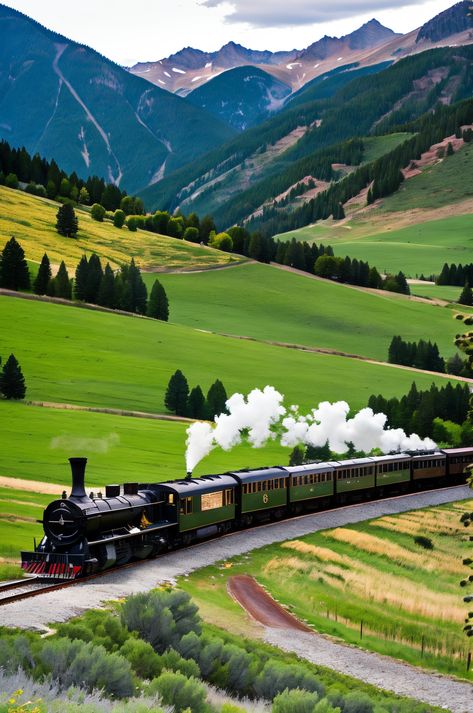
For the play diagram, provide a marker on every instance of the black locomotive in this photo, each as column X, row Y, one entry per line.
column 84, row 533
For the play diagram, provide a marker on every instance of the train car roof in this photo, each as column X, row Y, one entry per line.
column 354, row 461
column 434, row 454
column 457, row 451
column 250, row 476
column 310, row 467
column 397, row 456
column 194, row 486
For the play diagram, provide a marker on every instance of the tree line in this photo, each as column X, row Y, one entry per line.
column 430, row 413
column 421, row 354
column 192, row 403
column 458, row 275
column 45, row 178
column 124, row 289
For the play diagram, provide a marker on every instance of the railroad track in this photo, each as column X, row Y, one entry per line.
column 33, row 587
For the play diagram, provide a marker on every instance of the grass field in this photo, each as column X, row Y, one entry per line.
column 377, row 146
column 32, row 221
column 79, row 356
column 408, row 598
column 420, row 248
column 272, row 304
column 441, row 292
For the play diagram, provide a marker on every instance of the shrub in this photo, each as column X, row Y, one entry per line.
column 221, row 241
column 295, row 701
column 180, row 692
column 161, row 617
column 173, row 661
column 132, row 223
column 36, row 190
column 71, row 661
column 142, row 658
column 190, row 646
column 357, row 703
column 119, row 219
column 210, row 657
column 276, row 677
column 192, row 235
column 11, row 180
column 97, row 212
column 424, row 542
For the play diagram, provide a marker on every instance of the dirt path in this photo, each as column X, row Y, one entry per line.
column 289, row 633
column 32, row 486
column 110, row 411
column 260, row 606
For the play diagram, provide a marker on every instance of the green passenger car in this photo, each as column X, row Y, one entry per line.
column 314, row 480
column 264, row 489
column 393, row 469
column 354, row 475
column 201, row 502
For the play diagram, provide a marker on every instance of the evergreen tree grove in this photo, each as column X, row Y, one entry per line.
column 62, row 283
column 158, row 305
column 12, row 381
column 466, row 297
column 216, row 399
column 196, row 404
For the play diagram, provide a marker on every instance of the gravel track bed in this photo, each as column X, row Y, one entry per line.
column 38, row 613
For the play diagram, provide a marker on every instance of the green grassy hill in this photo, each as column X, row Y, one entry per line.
column 32, row 221
column 426, row 223
column 268, row 303
column 77, row 356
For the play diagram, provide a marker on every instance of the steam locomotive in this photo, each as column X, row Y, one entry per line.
column 84, row 533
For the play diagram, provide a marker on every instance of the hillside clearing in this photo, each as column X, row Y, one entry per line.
column 32, row 221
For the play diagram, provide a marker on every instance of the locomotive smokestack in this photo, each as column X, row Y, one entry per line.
column 78, row 476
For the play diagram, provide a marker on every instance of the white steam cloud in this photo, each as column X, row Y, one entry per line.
column 85, row 445
column 261, row 417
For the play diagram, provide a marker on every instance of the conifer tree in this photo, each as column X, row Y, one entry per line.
column 196, row 403
column 466, row 297
column 14, row 273
column 80, row 282
column 106, row 296
column 12, row 381
column 177, row 394
column 216, row 399
column 158, row 305
column 62, row 283
column 44, row 275
column 67, row 223
column 94, row 278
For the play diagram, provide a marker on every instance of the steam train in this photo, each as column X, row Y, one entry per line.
column 84, row 534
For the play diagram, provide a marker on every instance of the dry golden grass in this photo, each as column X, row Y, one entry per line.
column 322, row 553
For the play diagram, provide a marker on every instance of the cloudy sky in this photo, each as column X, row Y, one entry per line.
column 142, row 30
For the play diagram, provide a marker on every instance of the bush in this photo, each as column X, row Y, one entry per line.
column 161, row 617
column 192, row 235
column 357, row 703
column 295, row 701
column 276, row 677
column 180, row 692
column 97, row 212
column 424, row 542
column 36, row 190
column 142, row 658
column 119, row 219
column 173, row 661
column 132, row 223
column 221, row 241
column 71, row 661
column 101, row 627
column 11, row 180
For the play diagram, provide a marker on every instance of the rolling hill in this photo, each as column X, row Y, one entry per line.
column 91, row 115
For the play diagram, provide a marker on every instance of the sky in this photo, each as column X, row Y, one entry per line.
column 146, row 30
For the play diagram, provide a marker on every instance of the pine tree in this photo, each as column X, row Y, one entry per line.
column 94, row 278
column 42, row 278
column 80, row 282
column 216, row 399
column 12, row 381
column 466, row 297
column 177, row 394
column 14, row 274
column 67, row 223
column 106, row 296
column 158, row 305
column 196, row 403
column 62, row 283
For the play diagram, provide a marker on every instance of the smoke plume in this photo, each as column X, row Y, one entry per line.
column 85, row 445
column 261, row 417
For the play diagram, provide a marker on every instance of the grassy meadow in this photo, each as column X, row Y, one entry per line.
column 32, row 221
column 92, row 358
column 407, row 598
column 265, row 302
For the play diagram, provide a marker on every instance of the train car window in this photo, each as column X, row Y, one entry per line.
column 228, row 498
column 281, row 482
column 170, row 498
column 264, row 485
column 259, row 487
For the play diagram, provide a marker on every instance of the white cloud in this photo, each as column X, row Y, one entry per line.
column 299, row 12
